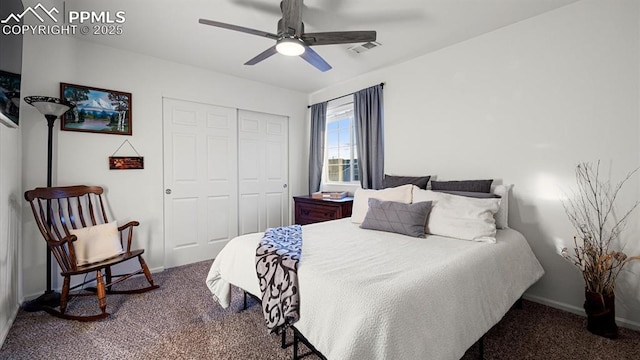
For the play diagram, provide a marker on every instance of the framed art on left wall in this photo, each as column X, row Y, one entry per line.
column 96, row 110
column 9, row 99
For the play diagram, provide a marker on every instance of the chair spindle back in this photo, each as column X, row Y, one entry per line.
column 57, row 210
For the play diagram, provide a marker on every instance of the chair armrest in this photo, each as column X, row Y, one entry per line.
column 127, row 225
column 65, row 255
column 124, row 227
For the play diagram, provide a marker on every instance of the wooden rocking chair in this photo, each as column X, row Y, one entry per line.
column 57, row 211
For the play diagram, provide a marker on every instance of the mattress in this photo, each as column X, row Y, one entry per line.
column 367, row 294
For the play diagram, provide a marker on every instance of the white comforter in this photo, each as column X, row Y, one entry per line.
column 367, row 294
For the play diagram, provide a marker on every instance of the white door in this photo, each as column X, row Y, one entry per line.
column 200, row 177
column 262, row 173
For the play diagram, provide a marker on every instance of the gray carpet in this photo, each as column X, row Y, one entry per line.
column 181, row 321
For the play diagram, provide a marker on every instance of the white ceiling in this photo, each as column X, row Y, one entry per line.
column 169, row 29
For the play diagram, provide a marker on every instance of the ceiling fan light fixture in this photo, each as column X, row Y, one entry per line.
column 290, row 46
column 292, row 40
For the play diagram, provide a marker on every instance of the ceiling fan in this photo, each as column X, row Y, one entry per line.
column 291, row 39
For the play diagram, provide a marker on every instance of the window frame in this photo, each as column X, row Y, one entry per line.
column 336, row 106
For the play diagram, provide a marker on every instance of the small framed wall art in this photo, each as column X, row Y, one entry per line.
column 126, row 162
column 96, row 110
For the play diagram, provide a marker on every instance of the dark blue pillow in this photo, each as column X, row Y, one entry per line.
column 483, row 186
column 479, row 195
column 394, row 181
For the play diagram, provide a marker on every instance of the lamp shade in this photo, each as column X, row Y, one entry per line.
column 290, row 46
column 49, row 105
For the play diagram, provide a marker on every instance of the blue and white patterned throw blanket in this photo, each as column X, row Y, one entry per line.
column 277, row 258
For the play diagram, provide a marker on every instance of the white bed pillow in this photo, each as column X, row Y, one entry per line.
column 460, row 217
column 96, row 243
column 502, row 216
column 361, row 198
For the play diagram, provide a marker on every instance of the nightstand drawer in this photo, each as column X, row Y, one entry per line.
column 310, row 213
column 309, row 210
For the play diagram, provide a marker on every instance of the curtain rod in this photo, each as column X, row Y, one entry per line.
column 340, row 97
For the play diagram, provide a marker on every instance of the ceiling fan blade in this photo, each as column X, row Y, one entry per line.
column 291, row 17
column 338, row 37
column 314, row 59
column 238, row 28
column 263, row 55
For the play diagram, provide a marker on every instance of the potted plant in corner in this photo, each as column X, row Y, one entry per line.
column 597, row 248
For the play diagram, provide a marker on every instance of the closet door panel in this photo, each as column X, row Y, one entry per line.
column 263, row 157
column 200, row 178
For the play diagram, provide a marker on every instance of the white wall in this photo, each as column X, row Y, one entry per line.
column 10, row 187
column 10, row 225
column 81, row 158
column 524, row 104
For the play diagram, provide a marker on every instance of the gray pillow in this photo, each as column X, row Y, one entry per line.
column 393, row 181
column 473, row 194
column 391, row 216
column 483, row 186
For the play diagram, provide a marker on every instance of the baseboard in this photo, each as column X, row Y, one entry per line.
column 633, row 325
column 5, row 330
column 157, row 269
column 32, row 296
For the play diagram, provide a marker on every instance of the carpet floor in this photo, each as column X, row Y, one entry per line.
column 180, row 320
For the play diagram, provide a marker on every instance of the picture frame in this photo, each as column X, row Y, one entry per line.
column 10, row 99
column 126, row 162
column 96, row 110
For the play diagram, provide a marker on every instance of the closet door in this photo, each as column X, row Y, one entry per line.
column 262, row 171
column 200, row 177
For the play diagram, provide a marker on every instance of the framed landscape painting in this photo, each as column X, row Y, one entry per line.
column 96, row 110
column 9, row 99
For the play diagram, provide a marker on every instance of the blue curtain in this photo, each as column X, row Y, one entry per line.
column 369, row 123
column 316, row 148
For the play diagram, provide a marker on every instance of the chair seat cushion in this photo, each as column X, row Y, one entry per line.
column 96, row 243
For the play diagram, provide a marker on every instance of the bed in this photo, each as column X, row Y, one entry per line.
column 367, row 294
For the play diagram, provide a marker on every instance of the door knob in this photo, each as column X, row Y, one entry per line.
column 168, row 191
column 284, row 186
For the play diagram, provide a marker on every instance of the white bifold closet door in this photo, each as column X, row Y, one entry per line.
column 221, row 166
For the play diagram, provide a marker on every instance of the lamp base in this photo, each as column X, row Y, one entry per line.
column 50, row 299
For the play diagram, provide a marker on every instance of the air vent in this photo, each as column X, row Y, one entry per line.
column 364, row 47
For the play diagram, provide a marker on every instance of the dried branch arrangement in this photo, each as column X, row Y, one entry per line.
column 592, row 213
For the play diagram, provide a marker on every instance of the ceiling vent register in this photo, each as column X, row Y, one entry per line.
column 364, row 47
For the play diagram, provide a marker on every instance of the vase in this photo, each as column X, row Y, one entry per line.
column 601, row 314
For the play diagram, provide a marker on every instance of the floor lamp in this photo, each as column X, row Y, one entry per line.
column 51, row 108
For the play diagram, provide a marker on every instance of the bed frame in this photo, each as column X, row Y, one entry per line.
column 298, row 337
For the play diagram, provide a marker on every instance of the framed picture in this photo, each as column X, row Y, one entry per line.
column 126, row 162
column 9, row 98
column 96, row 110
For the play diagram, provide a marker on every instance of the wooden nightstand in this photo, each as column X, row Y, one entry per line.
column 309, row 210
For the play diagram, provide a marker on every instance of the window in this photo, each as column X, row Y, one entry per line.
column 341, row 154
